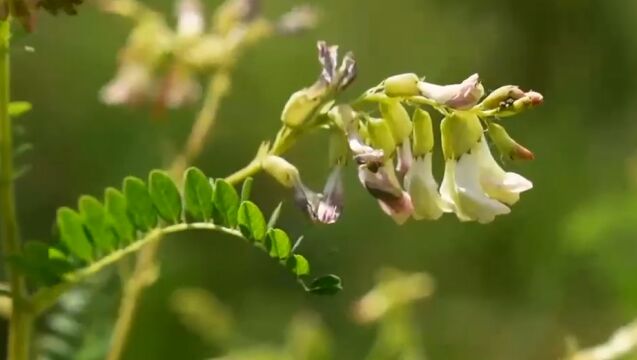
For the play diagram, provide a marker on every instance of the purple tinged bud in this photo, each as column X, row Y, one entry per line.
column 383, row 185
column 322, row 208
column 336, row 76
column 458, row 96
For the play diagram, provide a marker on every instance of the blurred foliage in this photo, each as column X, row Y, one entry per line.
column 388, row 304
column 512, row 290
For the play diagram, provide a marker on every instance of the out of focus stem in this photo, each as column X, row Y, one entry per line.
column 21, row 321
column 146, row 267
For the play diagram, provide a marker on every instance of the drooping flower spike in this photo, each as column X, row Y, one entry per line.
column 394, row 151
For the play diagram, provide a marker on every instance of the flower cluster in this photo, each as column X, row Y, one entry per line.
column 393, row 144
column 160, row 64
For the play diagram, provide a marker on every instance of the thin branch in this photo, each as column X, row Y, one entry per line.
column 47, row 297
column 146, row 270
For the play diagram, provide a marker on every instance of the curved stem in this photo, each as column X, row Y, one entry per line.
column 47, row 297
column 146, row 270
column 21, row 320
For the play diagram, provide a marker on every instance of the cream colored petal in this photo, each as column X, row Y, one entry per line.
column 497, row 183
column 423, row 189
column 448, row 187
column 471, row 199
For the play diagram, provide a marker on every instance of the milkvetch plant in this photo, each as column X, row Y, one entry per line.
column 387, row 133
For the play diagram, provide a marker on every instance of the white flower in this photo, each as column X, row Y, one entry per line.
column 423, row 189
column 459, row 96
column 497, row 183
column 190, row 21
column 462, row 189
column 131, row 85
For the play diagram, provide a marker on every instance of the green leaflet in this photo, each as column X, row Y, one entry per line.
column 326, row 285
column 299, row 265
column 95, row 219
column 246, row 189
column 72, row 234
column 197, row 195
column 19, row 108
column 278, row 244
column 113, row 226
column 140, row 205
column 226, row 202
column 116, row 209
column 165, row 196
column 251, row 221
column 275, row 216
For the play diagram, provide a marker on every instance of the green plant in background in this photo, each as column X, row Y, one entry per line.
column 388, row 305
column 391, row 147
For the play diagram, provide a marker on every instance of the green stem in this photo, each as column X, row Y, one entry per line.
column 48, row 297
column 146, row 268
column 21, row 319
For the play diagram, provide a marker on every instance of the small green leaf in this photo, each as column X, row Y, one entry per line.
column 275, row 216
column 198, row 195
column 251, row 221
column 246, row 189
column 226, row 202
column 116, row 208
column 278, row 244
column 298, row 265
column 72, row 234
column 165, row 196
column 31, row 270
column 140, row 205
column 326, row 285
column 54, row 253
column 42, row 267
column 95, row 219
column 18, row 108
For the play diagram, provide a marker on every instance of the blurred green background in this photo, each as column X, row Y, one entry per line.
column 564, row 262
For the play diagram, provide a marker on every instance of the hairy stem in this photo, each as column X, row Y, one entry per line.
column 21, row 319
column 146, row 270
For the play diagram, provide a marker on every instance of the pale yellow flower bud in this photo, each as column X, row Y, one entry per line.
column 402, row 85
column 282, row 170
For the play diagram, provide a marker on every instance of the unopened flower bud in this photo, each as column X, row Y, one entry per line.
column 402, row 85
column 302, row 105
column 381, row 135
column 397, row 118
column 423, row 135
column 280, row 169
column 460, row 132
column 506, row 145
column 528, row 101
column 500, row 96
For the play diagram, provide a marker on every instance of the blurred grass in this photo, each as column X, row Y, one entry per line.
column 511, row 290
